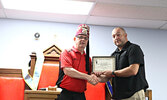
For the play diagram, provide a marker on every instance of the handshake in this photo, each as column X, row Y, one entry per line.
column 97, row 77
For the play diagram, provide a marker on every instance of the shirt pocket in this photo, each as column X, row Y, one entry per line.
column 123, row 60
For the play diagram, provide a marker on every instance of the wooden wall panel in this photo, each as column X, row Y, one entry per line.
column 6, row 72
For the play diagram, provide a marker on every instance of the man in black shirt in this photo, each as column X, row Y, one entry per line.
column 128, row 80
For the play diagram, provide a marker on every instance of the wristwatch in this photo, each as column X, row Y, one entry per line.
column 113, row 74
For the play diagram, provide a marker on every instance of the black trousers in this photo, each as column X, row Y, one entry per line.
column 69, row 95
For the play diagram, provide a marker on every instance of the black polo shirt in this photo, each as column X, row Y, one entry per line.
column 125, row 87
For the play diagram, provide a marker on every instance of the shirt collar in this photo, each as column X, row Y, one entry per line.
column 127, row 44
column 75, row 50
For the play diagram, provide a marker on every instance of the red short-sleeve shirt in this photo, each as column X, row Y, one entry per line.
column 73, row 58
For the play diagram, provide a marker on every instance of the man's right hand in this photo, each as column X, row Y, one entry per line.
column 93, row 79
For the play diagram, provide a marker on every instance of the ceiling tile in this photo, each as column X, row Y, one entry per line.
column 156, row 3
column 45, row 16
column 125, row 22
column 2, row 14
column 129, row 11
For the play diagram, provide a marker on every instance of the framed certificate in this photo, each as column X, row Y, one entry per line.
column 103, row 63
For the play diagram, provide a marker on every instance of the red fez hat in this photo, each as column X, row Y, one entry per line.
column 83, row 29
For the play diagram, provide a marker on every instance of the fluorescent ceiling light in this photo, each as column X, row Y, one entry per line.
column 50, row 6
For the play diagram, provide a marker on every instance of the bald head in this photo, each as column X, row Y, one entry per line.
column 119, row 36
column 121, row 28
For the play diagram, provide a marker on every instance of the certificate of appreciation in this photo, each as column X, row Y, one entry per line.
column 103, row 63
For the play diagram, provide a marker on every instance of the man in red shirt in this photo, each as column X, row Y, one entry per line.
column 75, row 68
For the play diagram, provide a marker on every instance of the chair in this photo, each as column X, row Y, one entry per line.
column 50, row 68
column 12, row 88
column 96, row 92
column 148, row 94
column 49, row 75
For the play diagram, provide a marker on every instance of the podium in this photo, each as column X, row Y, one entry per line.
column 40, row 95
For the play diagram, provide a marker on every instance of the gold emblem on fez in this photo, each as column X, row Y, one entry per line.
column 84, row 31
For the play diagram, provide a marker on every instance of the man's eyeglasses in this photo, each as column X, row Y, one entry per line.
column 81, row 37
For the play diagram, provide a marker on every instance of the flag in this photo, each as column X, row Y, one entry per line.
column 109, row 87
